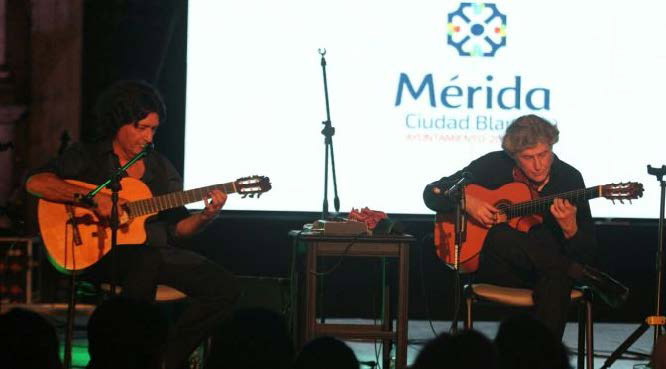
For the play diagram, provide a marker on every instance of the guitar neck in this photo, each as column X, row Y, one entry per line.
column 175, row 199
column 542, row 204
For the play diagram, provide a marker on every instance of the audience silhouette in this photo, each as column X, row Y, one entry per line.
column 465, row 350
column 254, row 338
column 127, row 333
column 523, row 342
column 28, row 341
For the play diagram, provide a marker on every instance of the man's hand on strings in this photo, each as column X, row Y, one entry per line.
column 213, row 201
column 565, row 215
column 482, row 211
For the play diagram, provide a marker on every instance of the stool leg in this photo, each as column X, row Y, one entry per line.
column 582, row 324
column 468, row 315
column 589, row 334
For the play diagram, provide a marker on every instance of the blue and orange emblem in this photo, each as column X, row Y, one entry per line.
column 476, row 29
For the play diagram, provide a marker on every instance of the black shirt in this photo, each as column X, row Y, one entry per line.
column 94, row 163
column 496, row 169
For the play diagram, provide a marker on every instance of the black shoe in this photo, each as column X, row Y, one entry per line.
column 609, row 290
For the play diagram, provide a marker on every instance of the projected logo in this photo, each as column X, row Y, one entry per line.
column 476, row 29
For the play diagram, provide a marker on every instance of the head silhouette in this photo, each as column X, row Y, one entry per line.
column 127, row 333
column 523, row 342
column 459, row 351
column 326, row 353
column 254, row 338
column 28, row 340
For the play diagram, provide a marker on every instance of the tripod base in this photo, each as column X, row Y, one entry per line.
column 651, row 321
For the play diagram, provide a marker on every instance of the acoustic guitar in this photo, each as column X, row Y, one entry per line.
column 75, row 238
column 518, row 208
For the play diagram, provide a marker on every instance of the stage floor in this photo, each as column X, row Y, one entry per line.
column 607, row 337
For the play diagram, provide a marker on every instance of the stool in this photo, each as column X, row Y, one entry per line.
column 521, row 297
column 163, row 293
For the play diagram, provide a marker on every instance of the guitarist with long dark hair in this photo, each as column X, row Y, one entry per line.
column 549, row 255
column 129, row 113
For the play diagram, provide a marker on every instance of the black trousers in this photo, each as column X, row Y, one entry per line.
column 211, row 290
column 532, row 260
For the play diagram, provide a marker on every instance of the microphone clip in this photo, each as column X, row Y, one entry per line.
column 454, row 192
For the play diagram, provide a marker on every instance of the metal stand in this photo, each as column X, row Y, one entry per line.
column 657, row 320
column 71, row 313
column 328, row 133
column 459, row 234
column 113, row 183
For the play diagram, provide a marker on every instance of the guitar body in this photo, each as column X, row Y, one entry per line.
column 75, row 238
column 444, row 235
column 70, row 253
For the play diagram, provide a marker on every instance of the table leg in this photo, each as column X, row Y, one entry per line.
column 310, row 292
column 403, row 299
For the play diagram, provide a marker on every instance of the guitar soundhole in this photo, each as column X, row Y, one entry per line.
column 503, row 204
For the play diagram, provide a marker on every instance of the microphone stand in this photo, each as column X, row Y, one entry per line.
column 657, row 320
column 460, row 234
column 328, row 133
column 113, row 183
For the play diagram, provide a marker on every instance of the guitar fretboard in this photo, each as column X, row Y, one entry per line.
column 174, row 199
column 542, row 204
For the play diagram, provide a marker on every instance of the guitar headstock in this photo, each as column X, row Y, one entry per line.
column 622, row 191
column 252, row 185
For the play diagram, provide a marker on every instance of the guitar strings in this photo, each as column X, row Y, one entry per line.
column 536, row 205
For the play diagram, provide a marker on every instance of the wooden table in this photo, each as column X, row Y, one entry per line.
column 384, row 246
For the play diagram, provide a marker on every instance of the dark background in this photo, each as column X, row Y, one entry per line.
column 146, row 39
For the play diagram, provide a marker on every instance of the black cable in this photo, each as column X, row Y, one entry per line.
column 342, row 257
column 371, row 364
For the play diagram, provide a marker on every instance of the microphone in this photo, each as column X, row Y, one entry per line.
column 148, row 148
column 85, row 200
column 453, row 189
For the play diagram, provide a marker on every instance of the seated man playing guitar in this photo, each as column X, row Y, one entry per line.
column 128, row 114
column 550, row 255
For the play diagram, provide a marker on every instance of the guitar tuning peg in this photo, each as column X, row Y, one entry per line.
column 258, row 195
column 244, row 196
column 613, row 201
column 251, row 195
column 621, row 202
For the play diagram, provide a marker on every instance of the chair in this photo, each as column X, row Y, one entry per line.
column 520, row 297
